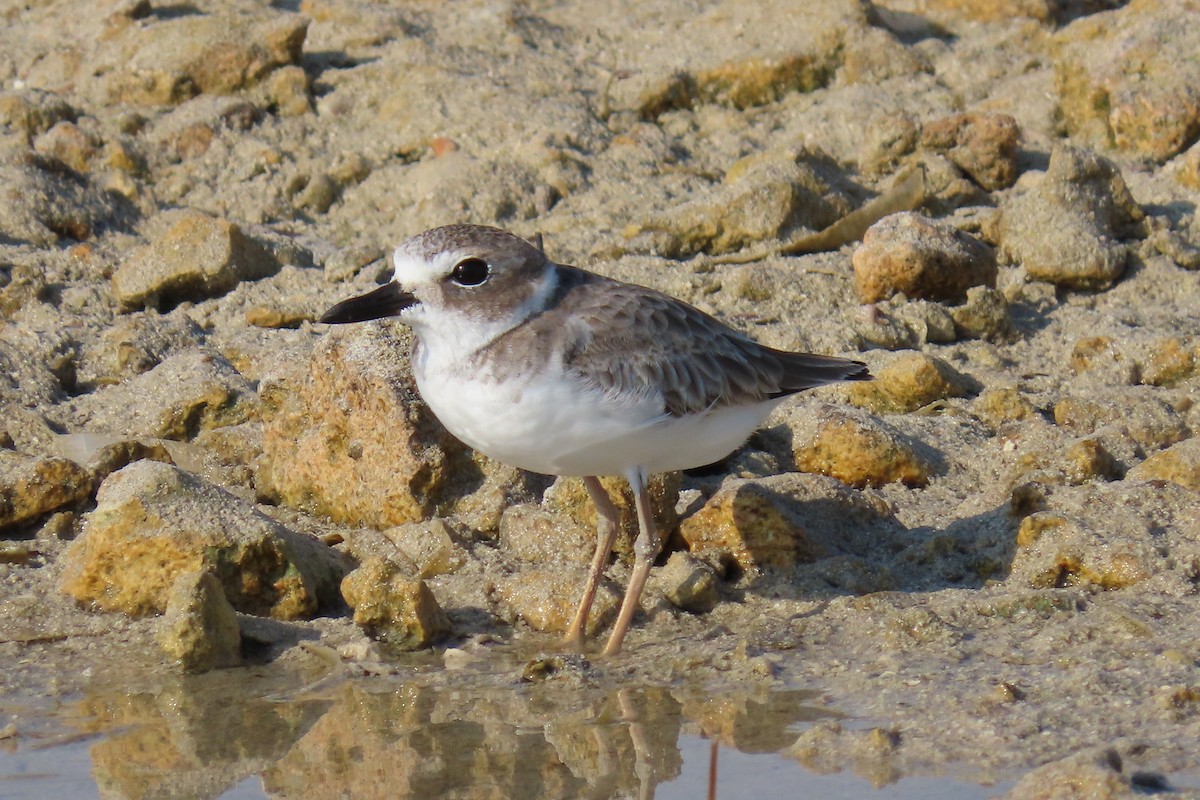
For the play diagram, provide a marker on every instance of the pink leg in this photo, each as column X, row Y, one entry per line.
column 645, row 550
column 608, row 525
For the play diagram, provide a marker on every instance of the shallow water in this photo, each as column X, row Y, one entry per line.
column 234, row 734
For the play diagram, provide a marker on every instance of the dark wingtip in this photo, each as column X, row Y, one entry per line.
column 860, row 373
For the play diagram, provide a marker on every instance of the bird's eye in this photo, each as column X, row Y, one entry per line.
column 470, row 272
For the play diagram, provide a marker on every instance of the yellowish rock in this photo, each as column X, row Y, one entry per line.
column 34, row 111
column 765, row 63
column 569, row 496
column 857, row 449
column 1179, row 463
column 154, row 522
column 1065, row 227
column 546, row 598
column 754, row 526
column 983, row 316
column 31, row 487
column 1088, row 459
column 1057, row 550
column 116, row 455
column 1119, row 83
column 184, row 395
column 919, row 257
column 393, row 607
column 764, row 196
column 544, row 536
column 70, row 144
column 200, row 628
column 198, row 257
column 688, row 583
column 999, row 405
column 289, row 90
column 1150, row 421
column 171, row 60
column 432, row 547
column 982, row 145
column 1171, row 360
column 347, row 436
column 909, row 382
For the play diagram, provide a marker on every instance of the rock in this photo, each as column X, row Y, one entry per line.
column 999, row 405
column 708, row 66
column 188, row 130
column 874, row 752
column 458, row 186
column 108, row 458
column 875, row 55
column 569, row 496
column 31, row 487
column 319, row 193
column 1187, row 167
column 856, row 448
column 1064, row 227
column 1174, row 245
column 70, row 144
column 153, row 522
column 901, row 324
column 1121, row 84
column 199, row 257
column 1171, row 360
column 779, row 521
column 546, row 598
column 889, row 137
column 538, row 535
column 346, row 263
column 347, row 436
column 983, row 316
column 432, row 546
column 394, row 608
column 1096, row 773
column 273, row 317
column 909, row 382
column 289, row 91
column 1088, row 459
column 767, row 196
column 25, row 379
column 1179, row 463
column 914, row 255
column 200, row 628
column 689, row 583
column 1150, row 422
column 185, row 394
column 46, row 201
column 170, row 60
column 1103, row 360
column 982, row 145
column 135, row 344
column 34, row 111
column 1058, row 551
column 1114, row 536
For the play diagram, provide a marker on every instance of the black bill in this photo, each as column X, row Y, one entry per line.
column 386, row 301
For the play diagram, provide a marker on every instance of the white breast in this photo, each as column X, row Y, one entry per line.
column 550, row 423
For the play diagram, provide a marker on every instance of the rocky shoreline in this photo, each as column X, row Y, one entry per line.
column 991, row 552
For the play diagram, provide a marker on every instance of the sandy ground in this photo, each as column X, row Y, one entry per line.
column 1026, row 610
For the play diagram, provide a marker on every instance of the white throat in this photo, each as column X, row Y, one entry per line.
column 450, row 336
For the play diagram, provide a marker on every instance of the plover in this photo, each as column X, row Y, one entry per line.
column 561, row 371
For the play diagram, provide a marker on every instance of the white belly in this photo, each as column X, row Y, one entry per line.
column 554, row 426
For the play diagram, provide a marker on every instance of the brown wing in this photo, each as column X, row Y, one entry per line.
column 628, row 339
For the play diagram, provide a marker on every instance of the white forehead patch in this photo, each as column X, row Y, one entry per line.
column 412, row 271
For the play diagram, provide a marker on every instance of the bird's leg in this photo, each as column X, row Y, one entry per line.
column 608, row 524
column 645, row 550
